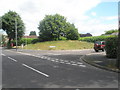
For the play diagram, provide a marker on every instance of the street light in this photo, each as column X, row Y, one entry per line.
column 16, row 30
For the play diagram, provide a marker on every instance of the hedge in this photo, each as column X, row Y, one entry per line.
column 111, row 47
column 95, row 38
column 25, row 41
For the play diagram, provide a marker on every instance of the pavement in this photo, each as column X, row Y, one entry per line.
column 100, row 60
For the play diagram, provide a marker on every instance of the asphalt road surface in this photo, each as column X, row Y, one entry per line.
column 53, row 69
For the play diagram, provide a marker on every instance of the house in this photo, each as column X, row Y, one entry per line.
column 32, row 36
column 115, row 33
column 86, row 35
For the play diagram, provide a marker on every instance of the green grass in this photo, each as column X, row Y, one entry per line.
column 60, row 45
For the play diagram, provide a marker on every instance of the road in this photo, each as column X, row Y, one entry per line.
column 53, row 69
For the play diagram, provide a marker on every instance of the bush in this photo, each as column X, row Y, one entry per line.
column 34, row 41
column 24, row 41
column 111, row 47
column 95, row 38
column 62, row 38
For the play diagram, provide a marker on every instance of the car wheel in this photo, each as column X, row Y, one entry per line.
column 103, row 50
column 96, row 50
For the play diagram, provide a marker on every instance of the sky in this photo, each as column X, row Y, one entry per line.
column 89, row 16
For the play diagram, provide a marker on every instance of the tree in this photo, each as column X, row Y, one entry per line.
column 110, row 32
column 8, row 25
column 53, row 27
column 72, row 32
column 32, row 33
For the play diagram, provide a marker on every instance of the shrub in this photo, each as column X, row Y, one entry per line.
column 62, row 38
column 34, row 41
column 23, row 41
column 111, row 47
column 95, row 38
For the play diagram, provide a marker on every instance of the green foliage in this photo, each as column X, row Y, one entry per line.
column 111, row 47
column 35, row 41
column 94, row 38
column 63, row 38
column 72, row 33
column 8, row 25
column 32, row 33
column 110, row 32
column 23, row 41
column 52, row 27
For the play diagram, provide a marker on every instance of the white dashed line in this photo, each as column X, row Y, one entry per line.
column 79, row 63
column 3, row 54
column 12, row 59
column 53, row 60
column 67, row 63
column 56, row 60
column 82, row 65
column 74, row 64
column 35, row 70
column 62, row 62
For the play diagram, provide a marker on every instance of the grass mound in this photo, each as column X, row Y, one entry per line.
column 60, row 45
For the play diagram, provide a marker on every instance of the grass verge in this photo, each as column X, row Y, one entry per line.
column 60, row 45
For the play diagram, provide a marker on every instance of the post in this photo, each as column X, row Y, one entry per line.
column 26, row 42
column 118, row 56
column 16, row 32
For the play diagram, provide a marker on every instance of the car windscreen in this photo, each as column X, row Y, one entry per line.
column 100, row 43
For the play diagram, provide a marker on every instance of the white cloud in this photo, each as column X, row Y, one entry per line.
column 32, row 11
column 93, row 14
column 97, row 26
column 110, row 0
column 111, row 18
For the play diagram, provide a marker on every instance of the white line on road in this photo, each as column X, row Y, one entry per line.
column 12, row 59
column 82, row 65
column 35, row 70
column 3, row 54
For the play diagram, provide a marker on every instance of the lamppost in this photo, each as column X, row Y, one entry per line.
column 16, row 31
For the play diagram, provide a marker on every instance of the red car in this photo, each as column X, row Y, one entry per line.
column 99, row 45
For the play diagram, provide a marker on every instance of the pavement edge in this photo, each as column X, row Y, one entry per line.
column 99, row 66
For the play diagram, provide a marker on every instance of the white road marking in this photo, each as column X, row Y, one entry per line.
column 79, row 63
column 35, row 70
column 12, row 59
column 3, row 54
column 53, row 60
column 74, row 64
column 62, row 62
column 67, row 63
column 56, row 60
column 82, row 65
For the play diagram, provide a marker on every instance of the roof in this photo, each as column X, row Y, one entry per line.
column 32, row 36
column 116, row 33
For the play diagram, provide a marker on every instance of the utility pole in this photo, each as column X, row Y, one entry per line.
column 16, row 31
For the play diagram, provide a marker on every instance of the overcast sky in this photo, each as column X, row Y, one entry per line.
column 89, row 16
